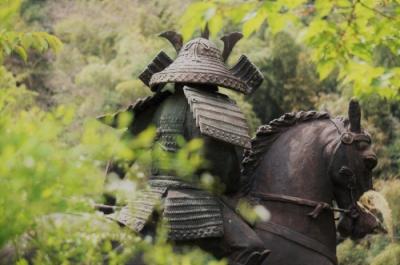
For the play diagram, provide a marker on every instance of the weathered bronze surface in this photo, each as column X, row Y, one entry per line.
column 218, row 116
column 200, row 62
column 158, row 64
column 196, row 110
column 298, row 165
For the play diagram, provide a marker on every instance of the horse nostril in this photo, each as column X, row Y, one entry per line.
column 370, row 161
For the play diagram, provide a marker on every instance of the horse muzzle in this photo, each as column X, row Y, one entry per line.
column 358, row 223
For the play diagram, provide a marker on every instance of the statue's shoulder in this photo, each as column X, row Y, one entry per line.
column 218, row 116
column 141, row 111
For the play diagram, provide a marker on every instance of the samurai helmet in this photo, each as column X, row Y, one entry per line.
column 200, row 62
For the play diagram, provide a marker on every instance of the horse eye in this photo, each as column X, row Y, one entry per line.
column 345, row 171
column 362, row 145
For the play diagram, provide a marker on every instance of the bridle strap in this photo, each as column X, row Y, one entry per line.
column 338, row 143
column 298, row 238
column 318, row 206
column 343, row 140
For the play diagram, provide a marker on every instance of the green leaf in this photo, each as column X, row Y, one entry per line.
column 194, row 17
column 238, row 13
column 277, row 21
column 325, row 68
column 54, row 43
column 315, row 29
column 5, row 46
column 254, row 22
column 8, row 10
column 21, row 52
column 209, row 14
column 37, row 42
column 22, row 262
column 362, row 51
column 26, row 41
column 293, row 3
column 323, row 7
column 215, row 24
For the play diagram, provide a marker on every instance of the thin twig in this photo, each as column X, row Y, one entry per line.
column 352, row 12
column 377, row 11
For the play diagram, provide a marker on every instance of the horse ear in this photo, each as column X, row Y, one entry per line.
column 174, row 38
column 355, row 116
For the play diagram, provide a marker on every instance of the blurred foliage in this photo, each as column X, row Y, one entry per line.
column 84, row 238
column 291, row 82
column 54, row 153
column 343, row 35
column 106, row 46
column 21, row 42
column 49, row 166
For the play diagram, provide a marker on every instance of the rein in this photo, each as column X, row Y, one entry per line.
column 318, row 206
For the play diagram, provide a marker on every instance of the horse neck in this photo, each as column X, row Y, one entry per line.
column 296, row 164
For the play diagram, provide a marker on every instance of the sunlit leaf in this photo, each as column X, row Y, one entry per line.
column 325, row 68
column 194, row 18
column 253, row 23
column 8, row 10
column 216, row 24
column 21, row 52
column 323, row 8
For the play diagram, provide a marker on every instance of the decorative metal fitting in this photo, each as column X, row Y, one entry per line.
column 347, row 138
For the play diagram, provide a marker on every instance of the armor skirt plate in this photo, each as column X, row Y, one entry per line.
column 187, row 212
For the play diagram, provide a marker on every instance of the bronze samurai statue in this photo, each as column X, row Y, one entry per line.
column 196, row 109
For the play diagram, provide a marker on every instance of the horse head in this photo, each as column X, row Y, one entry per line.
column 350, row 171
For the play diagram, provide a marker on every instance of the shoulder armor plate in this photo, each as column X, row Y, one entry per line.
column 218, row 116
column 135, row 109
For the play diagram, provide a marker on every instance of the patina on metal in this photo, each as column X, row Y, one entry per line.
column 200, row 62
column 196, row 109
column 159, row 63
column 193, row 214
column 330, row 160
column 137, row 213
column 218, row 116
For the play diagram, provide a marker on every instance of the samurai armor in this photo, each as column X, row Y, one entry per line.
column 218, row 116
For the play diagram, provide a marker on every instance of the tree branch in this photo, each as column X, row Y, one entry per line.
column 377, row 11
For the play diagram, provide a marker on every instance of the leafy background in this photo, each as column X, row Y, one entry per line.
column 65, row 62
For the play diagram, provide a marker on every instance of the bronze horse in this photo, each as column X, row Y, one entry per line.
column 299, row 164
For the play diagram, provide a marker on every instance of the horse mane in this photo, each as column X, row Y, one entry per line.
column 266, row 136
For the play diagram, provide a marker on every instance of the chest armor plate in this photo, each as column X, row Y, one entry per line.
column 171, row 122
